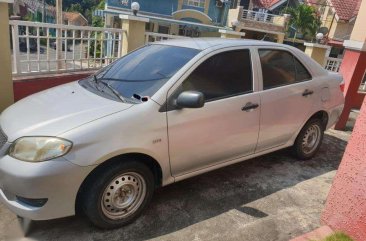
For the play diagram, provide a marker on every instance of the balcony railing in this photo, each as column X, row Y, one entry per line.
column 51, row 48
column 153, row 37
column 263, row 17
column 333, row 64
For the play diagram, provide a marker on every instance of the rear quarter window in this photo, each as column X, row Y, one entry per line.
column 280, row 67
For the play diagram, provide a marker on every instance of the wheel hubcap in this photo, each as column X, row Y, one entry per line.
column 311, row 139
column 123, row 195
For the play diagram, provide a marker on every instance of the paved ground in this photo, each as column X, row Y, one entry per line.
column 273, row 197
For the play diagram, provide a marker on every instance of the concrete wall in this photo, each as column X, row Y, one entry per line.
column 167, row 7
column 26, row 86
column 233, row 15
column 156, row 6
column 352, row 69
column 346, row 204
column 210, row 34
column 359, row 29
column 6, row 90
column 193, row 7
column 192, row 16
column 318, row 54
column 260, row 25
column 345, row 209
column 340, row 30
column 217, row 14
column 349, row 71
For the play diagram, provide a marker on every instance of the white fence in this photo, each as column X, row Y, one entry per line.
column 263, row 17
column 48, row 48
column 153, row 37
column 332, row 64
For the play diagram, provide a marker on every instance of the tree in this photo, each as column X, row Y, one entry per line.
column 96, row 20
column 75, row 8
column 314, row 27
column 85, row 7
column 304, row 19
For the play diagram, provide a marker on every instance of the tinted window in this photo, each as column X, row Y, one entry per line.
column 145, row 70
column 222, row 75
column 281, row 68
column 301, row 72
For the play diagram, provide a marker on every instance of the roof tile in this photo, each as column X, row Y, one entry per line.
column 346, row 9
column 265, row 3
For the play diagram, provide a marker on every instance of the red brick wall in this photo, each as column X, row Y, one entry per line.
column 26, row 86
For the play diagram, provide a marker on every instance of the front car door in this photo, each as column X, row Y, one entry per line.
column 286, row 99
column 221, row 130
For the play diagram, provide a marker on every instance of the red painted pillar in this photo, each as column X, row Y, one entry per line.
column 345, row 209
column 353, row 69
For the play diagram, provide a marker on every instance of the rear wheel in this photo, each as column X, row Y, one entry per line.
column 117, row 195
column 309, row 139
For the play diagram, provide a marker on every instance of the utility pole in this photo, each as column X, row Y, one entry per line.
column 58, row 11
column 16, row 8
column 59, row 33
column 43, row 11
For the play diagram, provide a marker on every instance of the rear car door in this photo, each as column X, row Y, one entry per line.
column 227, row 126
column 287, row 97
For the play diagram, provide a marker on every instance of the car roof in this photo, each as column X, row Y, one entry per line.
column 204, row 43
column 210, row 42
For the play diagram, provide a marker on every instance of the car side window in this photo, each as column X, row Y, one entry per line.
column 222, row 75
column 302, row 74
column 281, row 68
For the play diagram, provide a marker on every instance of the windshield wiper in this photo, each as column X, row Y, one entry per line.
column 114, row 91
column 95, row 78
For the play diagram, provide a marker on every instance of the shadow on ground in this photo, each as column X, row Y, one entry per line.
column 203, row 197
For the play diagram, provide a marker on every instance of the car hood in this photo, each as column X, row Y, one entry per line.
column 55, row 111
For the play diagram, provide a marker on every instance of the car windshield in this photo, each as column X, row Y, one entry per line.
column 142, row 72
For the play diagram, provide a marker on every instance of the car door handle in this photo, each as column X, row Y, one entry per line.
column 250, row 106
column 307, row 92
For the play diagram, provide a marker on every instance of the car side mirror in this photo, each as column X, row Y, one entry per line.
column 190, row 99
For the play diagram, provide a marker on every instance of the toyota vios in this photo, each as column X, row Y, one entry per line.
column 165, row 112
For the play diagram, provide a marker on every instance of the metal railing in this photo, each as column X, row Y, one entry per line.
column 333, row 64
column 153, row 37
column 263, row 17
column 49, row 48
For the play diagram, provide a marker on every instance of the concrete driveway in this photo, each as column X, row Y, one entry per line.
column 273, row 197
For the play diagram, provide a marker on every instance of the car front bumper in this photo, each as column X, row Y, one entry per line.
column 56, row 181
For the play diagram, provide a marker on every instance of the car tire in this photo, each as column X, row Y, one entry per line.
column 309, row 140
column 118, row 194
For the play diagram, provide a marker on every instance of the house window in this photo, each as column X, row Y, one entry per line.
column 163, row 29
column 195, row 3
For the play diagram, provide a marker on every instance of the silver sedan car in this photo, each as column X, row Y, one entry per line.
column 163, row 113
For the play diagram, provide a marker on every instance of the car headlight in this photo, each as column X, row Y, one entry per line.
column 38, row 149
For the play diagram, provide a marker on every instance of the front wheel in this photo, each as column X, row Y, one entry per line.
column 117, row 195
column 309, row 140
